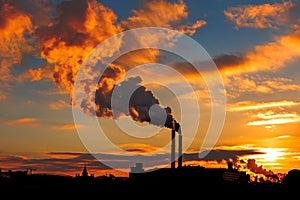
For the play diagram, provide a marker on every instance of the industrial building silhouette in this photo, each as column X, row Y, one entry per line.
column 184, row 178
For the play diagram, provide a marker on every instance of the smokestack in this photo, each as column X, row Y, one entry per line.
column 176, row 127
column 173, row 149
column 179, row 149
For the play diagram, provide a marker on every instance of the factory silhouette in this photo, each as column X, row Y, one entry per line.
column 173, row 181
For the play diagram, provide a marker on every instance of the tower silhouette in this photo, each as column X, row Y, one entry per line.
column 84, row 171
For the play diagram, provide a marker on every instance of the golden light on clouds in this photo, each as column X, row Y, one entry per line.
column 272, row 154
column 262, row 58
column 257, row 84
column 269, row 161
column 284, row 48
column 260, row 16
column 160, row 13
column 138, row 147
column 283, row 136
column 250, row 105
column 269, row 118
column 271, row 113
column 15, row 25
column 43, row 46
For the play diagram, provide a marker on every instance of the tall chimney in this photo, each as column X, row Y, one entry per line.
column 173, row 149
column 179, row 149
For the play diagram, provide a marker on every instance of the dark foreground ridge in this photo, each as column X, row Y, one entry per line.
column 186, row 180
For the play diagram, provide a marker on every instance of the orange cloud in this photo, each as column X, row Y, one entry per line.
column 285, row 49
column 14, row 26
column 30, row 121
column 39, row 10
column 158, row 13
column 191, row 29
column 245, row 83
column 68, row 37
column 78, row 27
column 2, row 95
column 249, row 105
column 283, row 136
column 35, row 74
column 138, row 147
column 282, row 86
column 266, row 57
column 59, row 105
column 260, row 16
column 161, row 13
column 270, row 118
column 56, row 91
column 67, row 127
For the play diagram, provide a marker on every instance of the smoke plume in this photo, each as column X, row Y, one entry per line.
column 258, row 169
column 143, row 106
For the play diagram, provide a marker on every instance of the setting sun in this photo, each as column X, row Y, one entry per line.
column 272, row 154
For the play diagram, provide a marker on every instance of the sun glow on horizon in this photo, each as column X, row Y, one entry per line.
column 272, row 154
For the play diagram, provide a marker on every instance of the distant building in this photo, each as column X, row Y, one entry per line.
column 138, row 168
column 185, row 174
column 84, row 174
column 13, row 174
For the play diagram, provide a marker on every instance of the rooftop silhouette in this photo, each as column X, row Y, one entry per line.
column 186, row 178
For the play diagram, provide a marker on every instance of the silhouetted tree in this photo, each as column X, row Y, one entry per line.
column 292, row 179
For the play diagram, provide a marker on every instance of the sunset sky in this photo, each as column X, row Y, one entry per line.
column 255, row 46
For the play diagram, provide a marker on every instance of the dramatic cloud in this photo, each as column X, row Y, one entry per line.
column 260, row 16
column 15, row 26
column 266, row 57
column 39, row 10
column 77, row 28
column 80, row 25
column 69, row 30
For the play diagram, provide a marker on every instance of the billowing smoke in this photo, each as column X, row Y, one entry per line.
column 79, row 26
column 142, row 106
column 76, row 29
column 258, row 169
